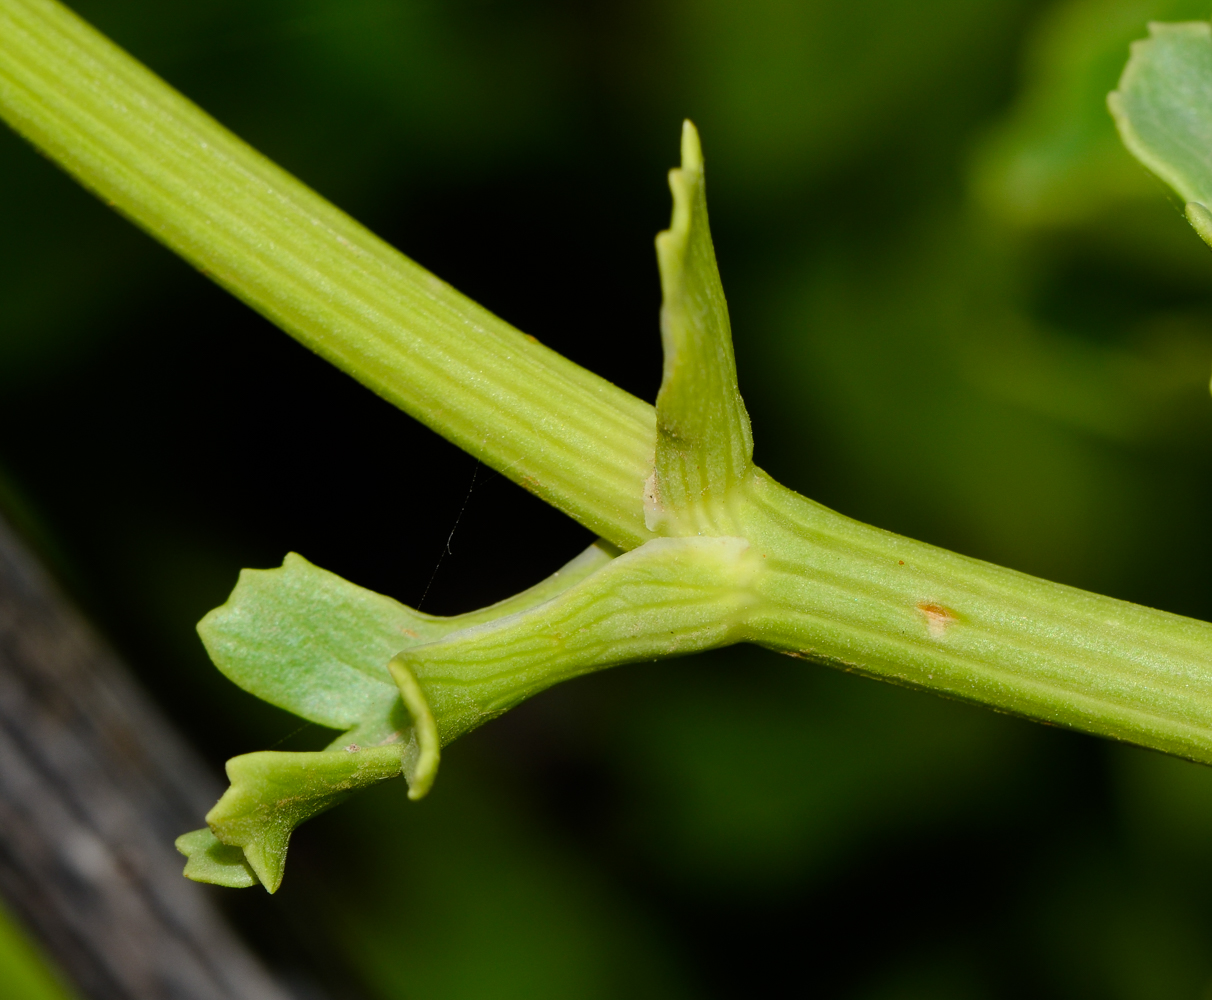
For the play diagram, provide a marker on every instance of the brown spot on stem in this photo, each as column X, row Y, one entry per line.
column 938, row 617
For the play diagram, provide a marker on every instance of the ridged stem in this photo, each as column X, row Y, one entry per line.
column 866, row 600
column 831, row 589
column 565, row 434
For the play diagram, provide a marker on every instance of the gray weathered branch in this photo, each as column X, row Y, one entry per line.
column 94, row 787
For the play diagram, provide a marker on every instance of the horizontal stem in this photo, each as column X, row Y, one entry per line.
column 866, row 600
column 564, row 433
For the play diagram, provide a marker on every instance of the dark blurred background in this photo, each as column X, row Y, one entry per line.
column 961, row 312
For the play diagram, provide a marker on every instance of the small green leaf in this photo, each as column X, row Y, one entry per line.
column 704, row 443
column 1163, row 109
column 273, row 792
column 211, row 860
column 316, row 645
column 310, row 642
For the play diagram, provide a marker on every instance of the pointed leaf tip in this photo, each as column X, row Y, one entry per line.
column 692, row 147
column 211, row 860
column 272, row 792
column 1200, row 219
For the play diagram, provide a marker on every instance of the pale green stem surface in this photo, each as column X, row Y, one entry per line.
column 801, row 579
column 567, row 435
column 669, row 597
column 878, row 604
column 821, row 586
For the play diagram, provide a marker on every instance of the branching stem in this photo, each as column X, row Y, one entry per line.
column 816, row 584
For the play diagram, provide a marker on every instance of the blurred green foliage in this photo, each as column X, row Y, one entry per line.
column 961, row 312
column 24, row 971
column 1052, row 160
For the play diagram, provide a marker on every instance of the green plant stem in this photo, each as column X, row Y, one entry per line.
column 564, row 433
column 830, row 589
column 801, row 579
column 841, row 592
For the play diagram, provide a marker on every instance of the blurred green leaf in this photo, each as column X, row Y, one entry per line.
column 790, row 90
column 1056, row 159
column 1163, row 109
column 477, row 895
column 771, row 786
column 1104, row 929
column 1163, row 106
column 25, row 973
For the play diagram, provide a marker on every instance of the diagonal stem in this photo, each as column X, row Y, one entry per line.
column 564, row 433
